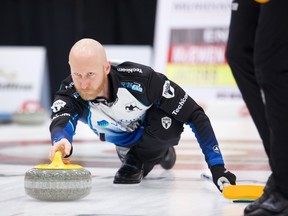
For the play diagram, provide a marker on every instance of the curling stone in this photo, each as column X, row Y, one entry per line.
column 30, row 113
column 57, row 181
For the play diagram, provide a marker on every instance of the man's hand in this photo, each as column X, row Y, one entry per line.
column 222, row 177
column 64, row 146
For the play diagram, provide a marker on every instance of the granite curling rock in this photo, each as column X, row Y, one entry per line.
column 30, row 113
column 58, row 181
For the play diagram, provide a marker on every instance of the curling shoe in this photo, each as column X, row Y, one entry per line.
column 267, row 190
column 274, row 205
column 131, row 171
column 169, row 159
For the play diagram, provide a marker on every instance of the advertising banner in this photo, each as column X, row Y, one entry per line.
column 190, row 43
column 23, row 77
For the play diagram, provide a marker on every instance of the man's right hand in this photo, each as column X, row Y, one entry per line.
column 64, row 146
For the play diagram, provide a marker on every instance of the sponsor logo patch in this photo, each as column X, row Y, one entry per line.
column 132, row 107
column 180, row 105
column 57, row 105
column 61, row 115
column 103, row 123
column 76, row 95
column 133, row 86
column 71, row 84
column 130, row 70
column 166, row 122
column 168, row 90
column 216, row 149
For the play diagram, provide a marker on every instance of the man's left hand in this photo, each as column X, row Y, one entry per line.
column 222, row 177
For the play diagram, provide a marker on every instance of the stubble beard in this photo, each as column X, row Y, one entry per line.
column 96, row 92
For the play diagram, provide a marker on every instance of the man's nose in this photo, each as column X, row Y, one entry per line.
column 84, row 83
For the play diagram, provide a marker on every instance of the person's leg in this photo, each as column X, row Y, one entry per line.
column 271, row 67
column 239, row 54
column 161, row 133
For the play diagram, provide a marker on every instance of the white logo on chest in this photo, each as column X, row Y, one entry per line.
column 166, row 122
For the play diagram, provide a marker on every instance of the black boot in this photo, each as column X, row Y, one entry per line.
column 131, row 171
column 267, row 190
column 275, row 205
column 169, row 159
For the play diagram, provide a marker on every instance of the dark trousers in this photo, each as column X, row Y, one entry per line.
column 161, row 132
column 257, row 52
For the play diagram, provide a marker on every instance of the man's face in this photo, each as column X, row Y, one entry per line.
column 89, row 77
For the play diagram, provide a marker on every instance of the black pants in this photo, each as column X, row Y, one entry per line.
column 161, row 132
column 257, row 52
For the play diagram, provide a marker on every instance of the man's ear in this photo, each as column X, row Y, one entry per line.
column 107, row 67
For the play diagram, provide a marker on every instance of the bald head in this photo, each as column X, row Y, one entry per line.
column 87, row 48
column 89, row 69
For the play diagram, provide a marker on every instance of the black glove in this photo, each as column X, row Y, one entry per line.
column 222, row 177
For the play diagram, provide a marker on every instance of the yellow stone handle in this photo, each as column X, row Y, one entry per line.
column 57, row 160
column 57, row 163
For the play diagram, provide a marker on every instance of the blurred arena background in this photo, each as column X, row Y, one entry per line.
column 57, row 25
column 188, row 47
